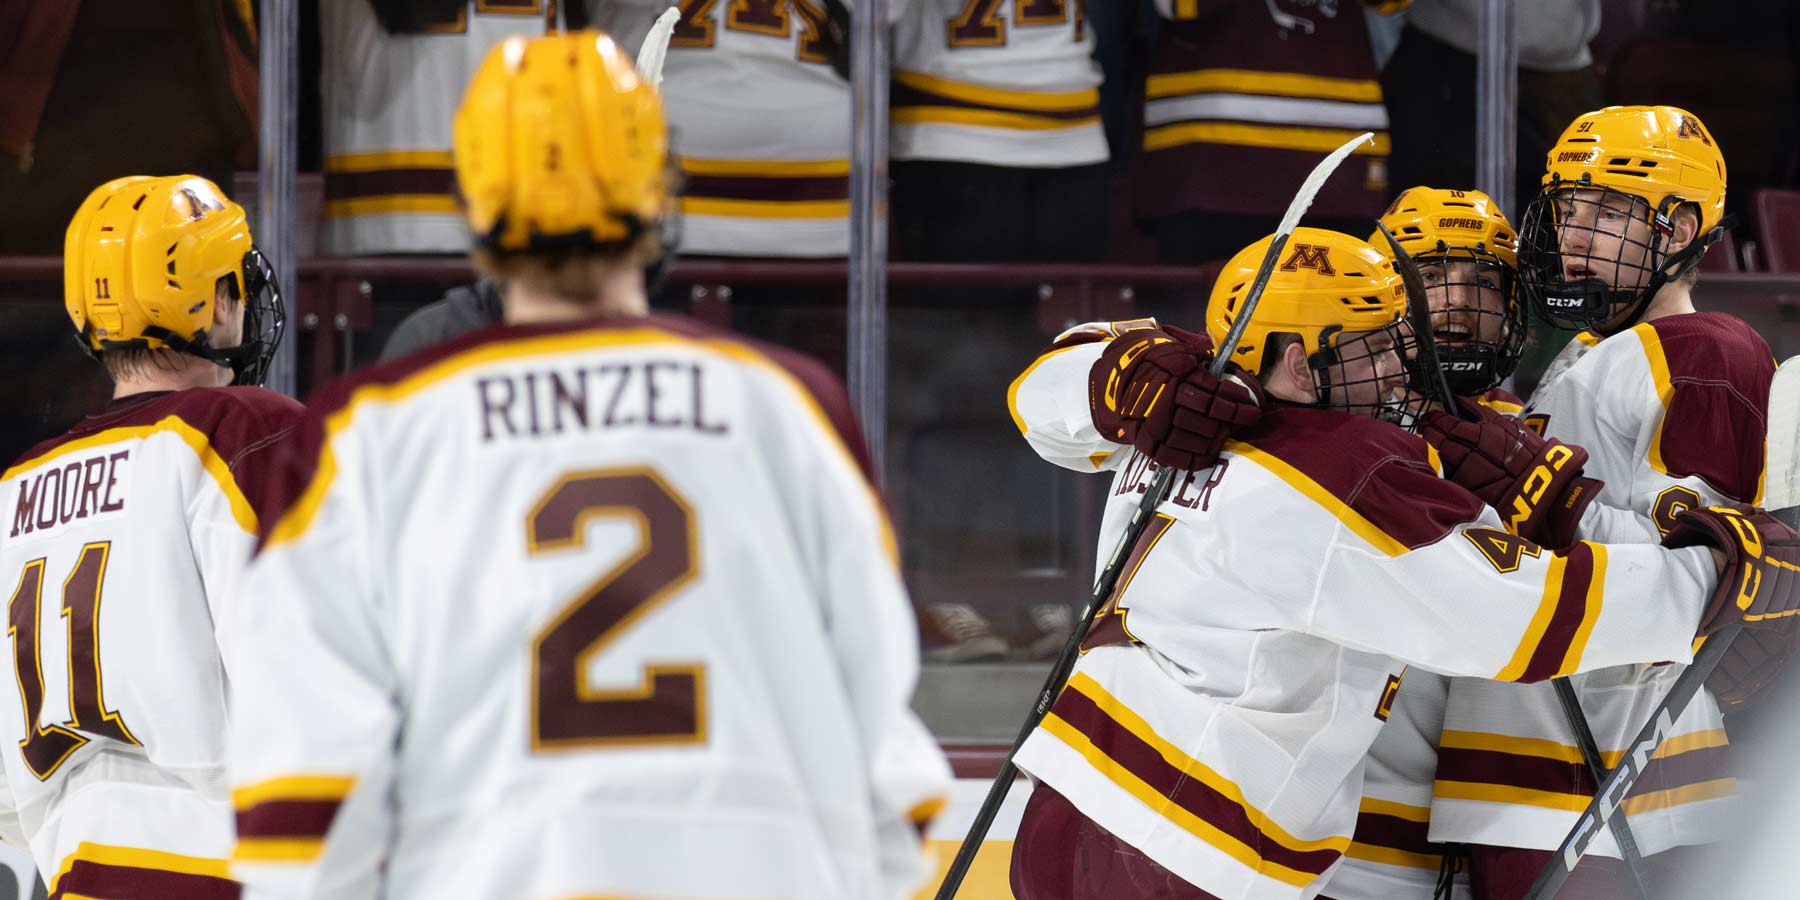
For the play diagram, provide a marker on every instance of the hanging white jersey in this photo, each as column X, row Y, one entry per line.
column 123, row 550
column 1231, row 689
column 761, row 125
column 997, row 82
column 387, row 101
column 1671, row 413
column 589, row 609
column 1390, row 856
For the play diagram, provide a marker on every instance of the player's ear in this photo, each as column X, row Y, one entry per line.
column 1294, row 366
column 224, row 302
column 1687, row 227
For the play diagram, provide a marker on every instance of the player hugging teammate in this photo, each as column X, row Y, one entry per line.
column 1261, row 709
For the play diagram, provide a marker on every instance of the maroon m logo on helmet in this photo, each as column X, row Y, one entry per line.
column 1310, row 256
column 1690, row 128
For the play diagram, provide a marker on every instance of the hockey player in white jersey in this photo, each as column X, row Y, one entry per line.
column 591, row 603
column 386, row 95
column 1210, row 742
column 1467, row 253
column 125, row 545
column 762, row 123
column 1666, row 406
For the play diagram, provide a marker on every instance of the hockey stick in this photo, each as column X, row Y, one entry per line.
column 1781, row 493
column 1418, row 314
column 656, row 47
column 1140, row 519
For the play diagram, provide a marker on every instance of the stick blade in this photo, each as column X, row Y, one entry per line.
column 1781, row 486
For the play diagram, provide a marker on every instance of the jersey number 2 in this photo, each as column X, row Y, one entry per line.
column 45, row 748
column 669, row 703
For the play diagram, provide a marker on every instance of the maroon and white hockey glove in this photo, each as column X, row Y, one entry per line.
column 1151, row 389
column 1759, row 582
column 1753, row 663
column 1535, row 484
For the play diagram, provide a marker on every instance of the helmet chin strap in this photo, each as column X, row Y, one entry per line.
column 1684, row 260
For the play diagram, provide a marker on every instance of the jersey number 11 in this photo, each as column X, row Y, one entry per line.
column 46, row 748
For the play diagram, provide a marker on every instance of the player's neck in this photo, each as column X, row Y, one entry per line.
column 172, row 372
column 1674, row 299
column 619, row 291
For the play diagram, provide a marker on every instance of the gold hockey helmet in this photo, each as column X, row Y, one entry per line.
column 559, row 144
column 142, row 261
column 1594, row 245
column 1476, row 316
column 1342, row 299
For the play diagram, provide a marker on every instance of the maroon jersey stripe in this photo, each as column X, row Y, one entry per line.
column 1565, row 621
column 1147, row 763
column 1382, row 830
column 100, row 880
column 287, row 819
column 910, row 96
column 1537, row 773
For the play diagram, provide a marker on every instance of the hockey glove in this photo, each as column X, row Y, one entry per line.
column 1759, row 582
column 1151, row 389
column 1534, row 484
column 1753, row 662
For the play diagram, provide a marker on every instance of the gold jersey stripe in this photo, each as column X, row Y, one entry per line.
column 392, row 204
column 388, row 159
column 293, row 787
column 768, row 168
column 277, row 850
column 1393, row 856
column 765, row 209
column 992, row 96
column 986, row 118
column 1248, row 81
column 1339, row 510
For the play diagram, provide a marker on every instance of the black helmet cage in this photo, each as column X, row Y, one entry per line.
column 265, row 321
column 1591, row 303
column 1331, row 373
column 1474, row 364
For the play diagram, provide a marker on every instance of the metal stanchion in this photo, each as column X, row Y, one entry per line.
column 1496, row 103
column 866, row 353
column 276, row 208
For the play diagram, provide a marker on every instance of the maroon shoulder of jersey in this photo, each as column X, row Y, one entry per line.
column 243, row 425
column 818, row 380
column 1381, row 472
column 1500, row 395
column 1716, row 421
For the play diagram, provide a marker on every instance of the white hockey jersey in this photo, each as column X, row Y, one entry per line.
column 998, row 82
column 387, row 101
column 761, row 125
column 1390, row 856
column 1671, row 413
column 122, row 554
column 1220, row 718
column 589, row 609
